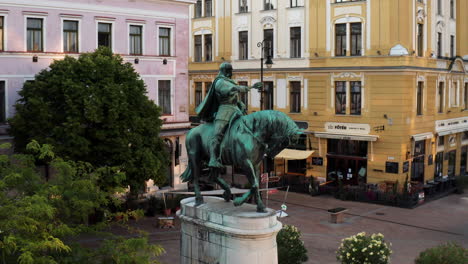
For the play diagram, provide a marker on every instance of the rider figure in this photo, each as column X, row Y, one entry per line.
column 221, row 104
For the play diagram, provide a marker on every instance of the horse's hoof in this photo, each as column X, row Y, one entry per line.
column 227, row 196
column 198, row 202
column 261, row 210
column 237, row 202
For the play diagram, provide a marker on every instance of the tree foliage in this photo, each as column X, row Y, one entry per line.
column 93, row 109
column 38, row 217
column 447, row 253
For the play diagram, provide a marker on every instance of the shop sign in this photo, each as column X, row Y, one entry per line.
column 347, row 128
column 450, row 124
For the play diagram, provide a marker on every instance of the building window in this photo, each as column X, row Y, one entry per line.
column 208, row 8
column 207, row 87
column 441, row 97
column 244, row 96
column 243, row 8
column 355, row 98
column 340, row 98
column 268, row 38
column 208, row 48
column 269, row 99
column 268, row 5
column 420, row 39
column 454, row 94
column 35, row 34
column 440, row 141
column 452, row 155
column 439, row 165
column 243, row 45
column 105, row 35
column 439, row 7
column 452, row 9
column 2, row 23
column 452, row 46
column 164, row 41
column 419, row 99
column 136, row 40
column 2, row 102
column 466, row 96
column 295, row 95
column 198, row 93
column 198, row 9
column 70, row 36
column 340, row 40
column 296, row 3
column 439, row 44
column 198, row 48
column 164, row 94
column 356, row 39
column 295, row 42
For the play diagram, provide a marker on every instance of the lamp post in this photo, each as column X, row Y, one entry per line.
column 268, row 63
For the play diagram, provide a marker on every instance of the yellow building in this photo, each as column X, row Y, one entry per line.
column 381, row 87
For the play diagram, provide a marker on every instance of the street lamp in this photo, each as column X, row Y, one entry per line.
column 268, row 63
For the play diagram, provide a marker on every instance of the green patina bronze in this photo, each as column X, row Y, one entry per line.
column 231, row 138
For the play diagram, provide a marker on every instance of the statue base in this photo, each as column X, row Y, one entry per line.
column 217, row 232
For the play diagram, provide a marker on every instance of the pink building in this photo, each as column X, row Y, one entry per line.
column 151, row 34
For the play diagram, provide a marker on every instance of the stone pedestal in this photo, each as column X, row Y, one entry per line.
column 217, row 232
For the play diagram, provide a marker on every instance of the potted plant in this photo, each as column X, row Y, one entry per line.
column 364, row 249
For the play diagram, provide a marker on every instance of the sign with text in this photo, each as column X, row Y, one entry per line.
column 449, row 124
column 347, row 128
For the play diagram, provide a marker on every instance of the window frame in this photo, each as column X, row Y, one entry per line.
column 269, row 45
column 78, row 35
column 441, row 97
column 344, row 99
column 357, row 109
column 439, row 45
column 295, row 3
column 420, row 98
column 343, row 52
column 243, row 55
column 452, row 9
column 5, row 81
column 3, row 33
column 142, row 38
column 355, row 42
column 206, row 48
column 420, row 39
column 43, row 33
column 269, row 4
column 169, row 39
column 439, row 7
column 205, row 5
column 452, row 46
column 198, row 93
column 195, row 48
column 198, row 6
column 170, row 96
column 465, row 98
column 292, row 52
column 172, row 40
column 243, row 8
column 295, row 97
column 112, row 35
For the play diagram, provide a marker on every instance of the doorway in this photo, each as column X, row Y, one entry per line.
column 417, row 166
column 463, row 160
column 347, row 161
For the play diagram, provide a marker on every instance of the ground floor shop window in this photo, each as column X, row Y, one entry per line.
column 439, row 165
column 451, row 162
column 347, row 161
column 297, row 166
column 463, row 160
column 417, row 167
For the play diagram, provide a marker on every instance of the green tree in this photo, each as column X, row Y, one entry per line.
column 38, row 219
column 291, row 249
column 94, row 109
column 447, row 253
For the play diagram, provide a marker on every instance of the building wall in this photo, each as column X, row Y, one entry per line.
column 389, row 70
column 121, row 14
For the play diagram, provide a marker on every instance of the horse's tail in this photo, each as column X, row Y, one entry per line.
column 187, row 175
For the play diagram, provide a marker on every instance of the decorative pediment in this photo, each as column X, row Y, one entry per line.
column 346, row 75
column 398, row 50
column 201, row 77
column 267, row 20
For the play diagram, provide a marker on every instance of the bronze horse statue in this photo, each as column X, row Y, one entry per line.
column 245, row 143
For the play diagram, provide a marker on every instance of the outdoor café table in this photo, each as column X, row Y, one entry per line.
column 443, row 182
column 428, row 189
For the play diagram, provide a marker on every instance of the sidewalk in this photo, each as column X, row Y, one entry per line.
column 409, row 230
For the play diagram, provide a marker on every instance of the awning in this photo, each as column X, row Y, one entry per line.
column 294, row 154
column 452, row 131
column 346, row 136
column 422, row 136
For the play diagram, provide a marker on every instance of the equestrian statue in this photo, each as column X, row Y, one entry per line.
column 229, row 137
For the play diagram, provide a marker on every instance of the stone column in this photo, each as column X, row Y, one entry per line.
column 217, row 232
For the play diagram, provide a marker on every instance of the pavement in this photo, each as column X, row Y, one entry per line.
column 409, row 230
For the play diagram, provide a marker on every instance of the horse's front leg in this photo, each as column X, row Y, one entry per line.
column 214, row 174
column 196, row 175
column 256, row 191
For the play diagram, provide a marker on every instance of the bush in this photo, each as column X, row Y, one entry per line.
column 461, row 182
column 291, row 249
column 364, row 249
column 449, row 253
column 94, row 109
